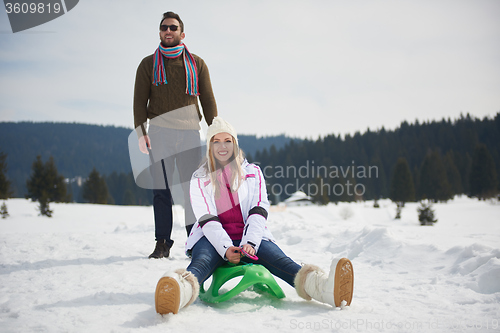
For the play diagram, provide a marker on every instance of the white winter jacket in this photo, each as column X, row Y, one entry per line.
column 254, row 205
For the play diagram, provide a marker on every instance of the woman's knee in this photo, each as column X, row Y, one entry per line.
column 205, row 259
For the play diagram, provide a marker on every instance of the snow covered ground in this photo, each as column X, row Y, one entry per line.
column 86, row 270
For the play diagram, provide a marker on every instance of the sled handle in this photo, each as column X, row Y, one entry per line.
column 246, row 254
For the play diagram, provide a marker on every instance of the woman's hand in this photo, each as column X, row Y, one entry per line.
column 249, row 249
column 233, row 254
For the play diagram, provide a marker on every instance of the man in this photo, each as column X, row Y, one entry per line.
column 167, row 88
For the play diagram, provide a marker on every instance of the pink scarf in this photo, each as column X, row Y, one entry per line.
column 228, row 206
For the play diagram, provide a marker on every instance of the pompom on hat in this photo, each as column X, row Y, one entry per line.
column 219, row 125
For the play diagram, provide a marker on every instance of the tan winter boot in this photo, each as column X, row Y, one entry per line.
column 312, row 282
column 176, row 290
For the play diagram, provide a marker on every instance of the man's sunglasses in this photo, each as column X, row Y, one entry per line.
column 172, row 27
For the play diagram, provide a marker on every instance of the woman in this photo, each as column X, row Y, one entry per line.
column 229, row 200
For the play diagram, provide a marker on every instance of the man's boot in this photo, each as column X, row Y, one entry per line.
column 162, row 250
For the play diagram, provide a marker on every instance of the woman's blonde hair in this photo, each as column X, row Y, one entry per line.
column 212, row 166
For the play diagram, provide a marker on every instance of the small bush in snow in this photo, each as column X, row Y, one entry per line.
column 426, row 213
column 346, row 213
column 3, row 211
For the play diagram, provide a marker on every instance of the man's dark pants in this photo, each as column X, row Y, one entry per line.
column 170, row 148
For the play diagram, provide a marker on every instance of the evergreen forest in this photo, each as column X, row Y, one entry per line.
column 440, row 155
column 444, row 158
column 79, row 149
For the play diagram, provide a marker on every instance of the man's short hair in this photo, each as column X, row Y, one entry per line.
column 174, row 16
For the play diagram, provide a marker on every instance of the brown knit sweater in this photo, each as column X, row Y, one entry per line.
column 151, row 101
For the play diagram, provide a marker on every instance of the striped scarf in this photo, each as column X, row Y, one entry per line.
column 160, row 77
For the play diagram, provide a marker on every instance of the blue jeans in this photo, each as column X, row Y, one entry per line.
column 205, row 259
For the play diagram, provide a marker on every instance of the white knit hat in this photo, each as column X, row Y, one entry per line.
column 219, row 125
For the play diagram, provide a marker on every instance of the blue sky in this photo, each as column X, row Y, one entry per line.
column 301, row 68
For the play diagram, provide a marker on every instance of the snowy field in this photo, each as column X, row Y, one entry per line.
column 86, row 270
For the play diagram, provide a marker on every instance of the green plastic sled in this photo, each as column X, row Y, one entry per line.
column 253, row 275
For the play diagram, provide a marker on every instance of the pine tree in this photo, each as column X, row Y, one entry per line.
column 402, row 188
column 321, row 191
column 44, row 205
column 426, row 213
column 128, row 197
column 378, row 182
column 3, row 211
column 416, row 181
column 5, row 191
column 57, row 190
column 340, row 189
column 434, row 183
column 46, row 185
column 36, row 184
column 483, row 176
column 453, row 174
column 336, row 185
column 95, row 190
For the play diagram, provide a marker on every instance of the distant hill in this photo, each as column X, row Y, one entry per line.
column 77, row 148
